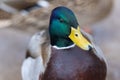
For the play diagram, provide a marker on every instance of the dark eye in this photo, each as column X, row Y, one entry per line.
column 76, row 35
column 61, row 20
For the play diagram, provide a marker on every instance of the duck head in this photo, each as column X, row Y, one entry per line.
column 64, row 29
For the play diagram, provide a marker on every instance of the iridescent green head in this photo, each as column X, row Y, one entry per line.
column 64, row 29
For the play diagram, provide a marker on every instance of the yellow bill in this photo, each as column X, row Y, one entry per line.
column 79, row 39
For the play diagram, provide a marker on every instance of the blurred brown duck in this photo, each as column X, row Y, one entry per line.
column 88, row 12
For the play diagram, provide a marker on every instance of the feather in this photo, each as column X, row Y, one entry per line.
column 38, row 54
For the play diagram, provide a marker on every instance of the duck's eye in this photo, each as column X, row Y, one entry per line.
column 76, row 35
column 61, row 20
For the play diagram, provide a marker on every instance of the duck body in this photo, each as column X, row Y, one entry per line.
column 74, row 64
column 71, row 54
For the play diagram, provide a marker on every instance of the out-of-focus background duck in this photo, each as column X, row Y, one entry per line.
column 15, row 39
column 88, row 11
column 37, row 56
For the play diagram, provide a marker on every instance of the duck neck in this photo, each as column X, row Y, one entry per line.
column 61, row 42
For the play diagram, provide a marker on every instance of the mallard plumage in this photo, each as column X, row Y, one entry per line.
column 74, row 60
column 74, row 64
column 72, row 54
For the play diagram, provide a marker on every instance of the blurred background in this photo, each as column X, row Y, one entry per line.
column 20, row 19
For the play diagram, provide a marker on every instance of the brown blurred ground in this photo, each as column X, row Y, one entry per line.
column 106, row 33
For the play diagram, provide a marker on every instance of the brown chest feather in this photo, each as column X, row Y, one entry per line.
column 74, row 64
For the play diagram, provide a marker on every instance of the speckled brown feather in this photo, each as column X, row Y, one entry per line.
column 74, row 64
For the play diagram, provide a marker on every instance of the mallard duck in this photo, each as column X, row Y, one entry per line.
column 73, row 55
column 35, row 62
